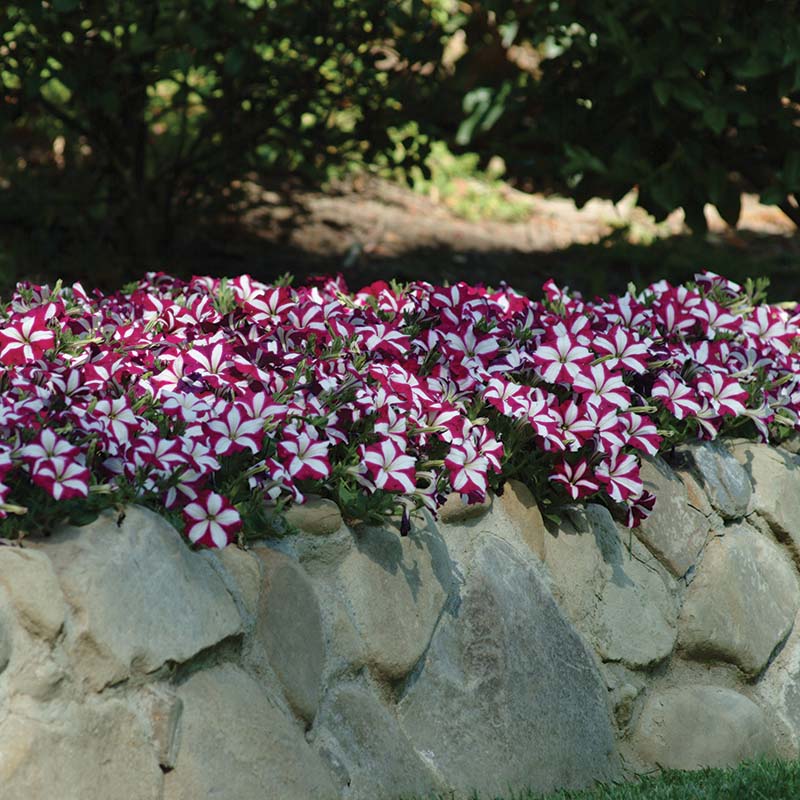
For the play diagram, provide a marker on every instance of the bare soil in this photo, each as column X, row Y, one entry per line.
column 370, row 230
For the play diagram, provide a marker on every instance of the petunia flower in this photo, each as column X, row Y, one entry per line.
column 389, row 467
column 211, row 520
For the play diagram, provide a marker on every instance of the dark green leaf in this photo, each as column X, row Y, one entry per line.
column 65, row 6
column 715, row 118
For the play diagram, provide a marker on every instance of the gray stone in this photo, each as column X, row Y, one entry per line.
column 778, row 693
column 456, row 509
column 508, row 696
column 317, row 516
column 89, row 751
column 236, row 744
column 775, row 475
column 289, row 629
column 742, row 601
column 693, row 727
column 625, row 688
column 520, row 506
column 32, row 586
column 598, row 580
column 140, row 596
column 244, row 572
column 675, row 533
column 365, row 739
column 392, row 589
column 723, row 478
column 321, row 555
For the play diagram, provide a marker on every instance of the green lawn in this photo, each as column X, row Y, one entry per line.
column 761, row 780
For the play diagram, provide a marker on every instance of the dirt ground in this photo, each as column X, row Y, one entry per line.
column 371, row 229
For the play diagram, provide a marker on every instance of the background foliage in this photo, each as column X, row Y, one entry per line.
column 125, row 124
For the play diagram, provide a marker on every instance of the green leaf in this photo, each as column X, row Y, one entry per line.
column 791, row 171
column 661, row 91
column 772, row 196
column 83, row 516
column 689, row 95
column 715, row 118
column 65, row 6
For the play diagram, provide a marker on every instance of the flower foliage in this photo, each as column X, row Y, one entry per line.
column 219, row 402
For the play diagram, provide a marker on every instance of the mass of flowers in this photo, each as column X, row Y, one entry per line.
column 219, row 402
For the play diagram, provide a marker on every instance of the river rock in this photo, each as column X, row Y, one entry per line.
column 778, row 693
column 289, row 630
column 360, row 734
column 519, row 505
column 507, row 694
column 33, row 589
column 89, row 751
column 140, row 596
column 775, row 475
column 393, row 589
column 317, row 516
column 599, row 574
column 242, row 568
column 742, row 601
column 674, row 532
column 237, row 744
column 723, row 478
column 692, row 727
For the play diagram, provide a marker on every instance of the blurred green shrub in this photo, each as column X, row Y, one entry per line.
column 692, row 102
column 121, row 120
column 124, row 121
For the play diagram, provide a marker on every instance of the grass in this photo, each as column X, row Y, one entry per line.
column 758, row 780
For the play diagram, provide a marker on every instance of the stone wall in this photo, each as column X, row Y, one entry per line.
column 486, row 651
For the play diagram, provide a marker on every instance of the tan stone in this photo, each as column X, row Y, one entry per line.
column 360, row 735
column 456, row 509
column 392, row 590
column 317, row 516
column 723, row 479
column 242, row 566
column 778, row 693
column 140, row 596
column 508, row 697
column 521, row 508
column 28, row 577
column 695, row 495
column 692, row 727
column 742, row 601
column 162, row 710
column 599, row 576
column 90, row 751
column 775, row 475
column 236, row 744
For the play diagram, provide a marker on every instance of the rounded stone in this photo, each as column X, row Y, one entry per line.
column 456, row 509
column 237, row 744
column 392, row 589
column 519, row 505
column 289, row 630
column 33, row 589
column 317, row 515
column 742, row 601
column 693, row 727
